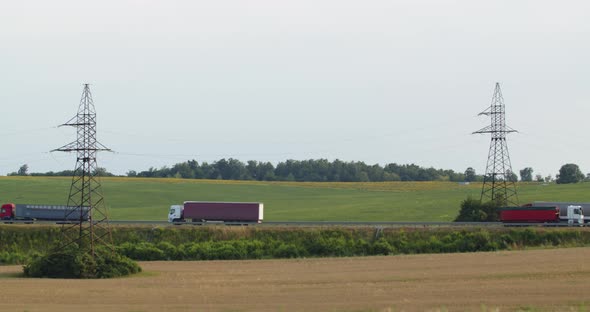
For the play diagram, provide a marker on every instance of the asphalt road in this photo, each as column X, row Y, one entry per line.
column 306, row 223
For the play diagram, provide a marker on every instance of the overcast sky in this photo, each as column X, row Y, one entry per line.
column 374, row 81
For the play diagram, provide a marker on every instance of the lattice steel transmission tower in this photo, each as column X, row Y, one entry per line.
column 85, row 202
column 497, row 184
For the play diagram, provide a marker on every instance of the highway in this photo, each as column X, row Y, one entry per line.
column 302, row 223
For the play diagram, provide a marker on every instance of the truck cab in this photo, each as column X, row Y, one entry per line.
column 7, row 211
column 575, row 215
column 175, row 214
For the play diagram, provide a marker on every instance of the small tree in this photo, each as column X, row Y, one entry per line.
column 569, row 173
column 470, row 175
column 539, row 178
column 511, row 176
column 475, row 211
column 23, row 170
column 102, row 172
column 132, row 173
column 526, row 174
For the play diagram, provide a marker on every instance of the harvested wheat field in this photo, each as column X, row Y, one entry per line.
column 555, row 279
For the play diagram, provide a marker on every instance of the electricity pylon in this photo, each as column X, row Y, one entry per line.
column 86, row 213
column 498, row 184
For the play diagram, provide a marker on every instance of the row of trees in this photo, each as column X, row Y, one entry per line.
column 320, row 170
column 568, row 173
column 24, row 171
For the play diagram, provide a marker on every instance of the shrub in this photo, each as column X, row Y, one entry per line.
column 143, row 251
column 476, row 211
column 226, row 251
column 382, row 247
column 170, row 251
column 110, row 264
column 74, row 263
column 63, row 264
column 12, row 258
column 286, row 251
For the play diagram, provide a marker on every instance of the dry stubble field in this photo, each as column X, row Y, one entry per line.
column 550, row 280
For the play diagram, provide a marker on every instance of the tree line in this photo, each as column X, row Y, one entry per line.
column 313, row 170
column 319, row 170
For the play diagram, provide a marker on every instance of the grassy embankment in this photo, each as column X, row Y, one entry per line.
column 149, row 199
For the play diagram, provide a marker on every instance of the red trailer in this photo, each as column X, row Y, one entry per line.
column 529, row 214
column 230, row 212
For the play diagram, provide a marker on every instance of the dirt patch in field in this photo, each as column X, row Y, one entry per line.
column 549, row 279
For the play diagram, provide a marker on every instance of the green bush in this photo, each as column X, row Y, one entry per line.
column 66, row 264
column 473, row 210
column 382, row 247
column 226, row 251
column 286, row 251
column 7, row 257
column 143, row 251
column 170, row 251
column 109, row 265
column 74, row 263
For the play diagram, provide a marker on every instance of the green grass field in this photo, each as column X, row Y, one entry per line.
column 150, row 199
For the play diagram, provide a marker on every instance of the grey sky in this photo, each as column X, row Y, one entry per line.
column 374, row 81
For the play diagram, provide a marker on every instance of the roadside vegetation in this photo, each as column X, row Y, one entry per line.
column 19, row 243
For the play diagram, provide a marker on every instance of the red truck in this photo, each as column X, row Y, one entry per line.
column 545, row 214
column 227, row 212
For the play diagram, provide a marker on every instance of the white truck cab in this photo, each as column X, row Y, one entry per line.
column 175, row 214
column 575, row 215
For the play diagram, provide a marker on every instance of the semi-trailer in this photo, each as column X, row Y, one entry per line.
column 12, row 211
column 563, row 207
column 227, row 212
column 542, row 214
